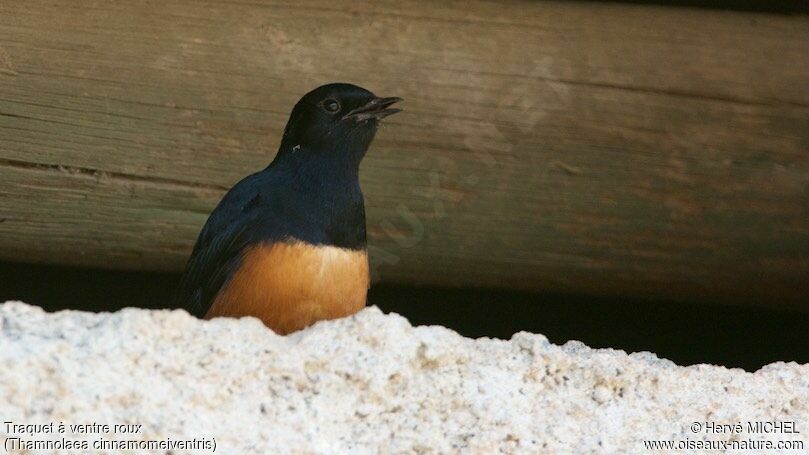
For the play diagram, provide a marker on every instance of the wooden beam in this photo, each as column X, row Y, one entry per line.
column 565, row 147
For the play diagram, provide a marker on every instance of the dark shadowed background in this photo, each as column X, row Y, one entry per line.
column 686, row 333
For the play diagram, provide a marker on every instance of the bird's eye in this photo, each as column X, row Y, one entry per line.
column 331, row 105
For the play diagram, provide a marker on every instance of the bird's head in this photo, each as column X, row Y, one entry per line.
column 336, row 120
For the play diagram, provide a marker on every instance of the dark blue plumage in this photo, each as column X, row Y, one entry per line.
column 310, row 192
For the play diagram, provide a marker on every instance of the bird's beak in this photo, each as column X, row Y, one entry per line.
column 377, row 108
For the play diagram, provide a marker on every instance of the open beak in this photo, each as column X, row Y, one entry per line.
column 377, row 108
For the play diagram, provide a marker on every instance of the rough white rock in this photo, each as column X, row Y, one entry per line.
column 367, row 384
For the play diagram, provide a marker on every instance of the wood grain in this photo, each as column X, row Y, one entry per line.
column 564, row 147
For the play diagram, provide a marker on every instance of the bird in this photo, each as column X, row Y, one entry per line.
column 287, row 244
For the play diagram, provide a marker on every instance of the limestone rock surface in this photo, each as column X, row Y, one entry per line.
column 164, row 382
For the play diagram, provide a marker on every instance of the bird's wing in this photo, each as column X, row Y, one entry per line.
column 218, row 249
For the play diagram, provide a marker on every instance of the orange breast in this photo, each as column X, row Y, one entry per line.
column 290, row 286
